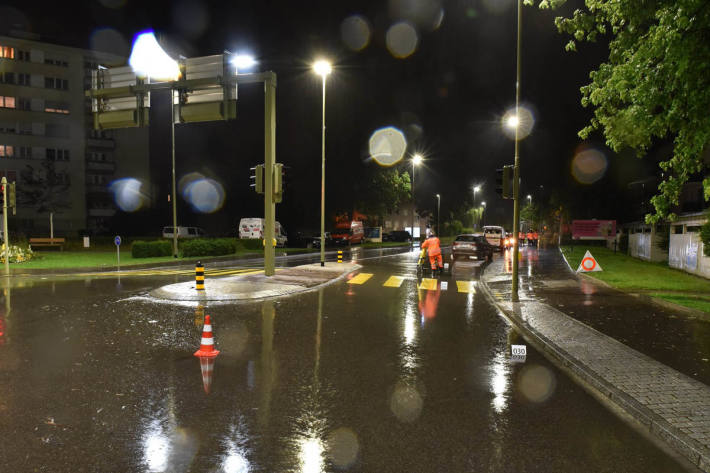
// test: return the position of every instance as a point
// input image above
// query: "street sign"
(117, 240)
(588, 264)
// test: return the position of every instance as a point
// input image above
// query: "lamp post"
(475, 189)
(516, 168)
(529, 199)
(416, 160)
(322, 68)
(149, 59)
(438, 212)
(483, 214)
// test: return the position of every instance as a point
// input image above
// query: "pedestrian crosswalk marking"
(466, 286)
(394, 281)
(428, 284)
(360, 278)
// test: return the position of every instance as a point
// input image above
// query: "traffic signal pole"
(4, 226)
(516, 170)
(269, 160)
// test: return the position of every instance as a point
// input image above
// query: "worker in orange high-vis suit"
(433, 245)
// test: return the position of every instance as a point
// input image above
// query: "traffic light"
(258, 178)
(12, 198)
(504, 182)
(278, 182)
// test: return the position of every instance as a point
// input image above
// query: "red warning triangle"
(588, 264)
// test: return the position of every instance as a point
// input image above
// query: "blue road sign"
(117, 240)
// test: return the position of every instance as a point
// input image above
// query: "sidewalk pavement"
(250, 287)
(617, 346)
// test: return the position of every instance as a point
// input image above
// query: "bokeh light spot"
(343, 447)
(406, 403)
(355, 32)
(524, 120)
(588, 165)
(109, 40)
(203, 194)
(425, 14)
(537, 383)
(127, 194)
(402, 40)
(387, 146)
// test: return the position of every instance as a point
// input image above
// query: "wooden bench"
(47, 242)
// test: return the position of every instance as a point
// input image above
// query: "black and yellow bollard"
(199, 277)
(340, 256)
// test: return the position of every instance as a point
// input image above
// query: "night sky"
(448, 97)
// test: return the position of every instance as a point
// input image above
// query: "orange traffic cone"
(207, 343)
(207, 368)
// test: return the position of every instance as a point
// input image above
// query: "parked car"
(184, 232)
(495, 236)
(472, 246)
(349, 234)
(329, 241)
(301, 239)
(399, 235)
(254, 228)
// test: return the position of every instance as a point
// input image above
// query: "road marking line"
(394, 281)
(466, 286)
(428, 284)
(360, 278)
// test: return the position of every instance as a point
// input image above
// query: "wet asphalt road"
(96, 377)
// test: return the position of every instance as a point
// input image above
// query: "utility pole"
(516, 169)
(4, 225)
(269, 159)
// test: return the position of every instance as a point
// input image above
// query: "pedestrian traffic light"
(257, 177)
(499, 182)
(504, 182)
(12, 198)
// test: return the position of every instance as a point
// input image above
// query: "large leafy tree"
(385, 191)
(43, 189)
(655, 84)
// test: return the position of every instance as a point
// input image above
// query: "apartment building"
(47, 144)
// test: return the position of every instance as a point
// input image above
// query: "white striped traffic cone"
(207, 343)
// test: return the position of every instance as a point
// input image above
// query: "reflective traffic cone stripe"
(207, 342)
(207, 368)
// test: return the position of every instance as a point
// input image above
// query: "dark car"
(301, 239)
(472, 246)
(329, 241)
(399, 235)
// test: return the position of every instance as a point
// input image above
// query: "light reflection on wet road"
(351, 377)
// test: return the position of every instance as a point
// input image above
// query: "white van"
(184, 232)
(495, 236)
(254, 228)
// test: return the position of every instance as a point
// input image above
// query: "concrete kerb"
(255, 287)
(676, 443)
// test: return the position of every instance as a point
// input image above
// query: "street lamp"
(516, 167)
(149, 59)
(438, 212)
(483, 213)
(529, 199)
(475, 189)
(322, 68)
(416, 161)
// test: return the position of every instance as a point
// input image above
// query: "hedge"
(251, 243)
(209, 247)
(147, 249)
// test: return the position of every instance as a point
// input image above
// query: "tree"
(655, 85)
(44, 189)
(386, 190)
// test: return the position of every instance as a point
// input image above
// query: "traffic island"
(256, 286)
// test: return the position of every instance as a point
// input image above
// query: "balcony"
(100, 166)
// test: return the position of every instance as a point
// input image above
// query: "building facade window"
(24, 103)
(23, 79)
(23, 55)
(56, 62)
(7, 77)
(56, 83)
(10, 175)
(55, 154)
(7, 52)
(52, 106)
(7, 102)
(7, 151)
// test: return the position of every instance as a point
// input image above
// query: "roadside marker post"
(199, 276)
(340, 256)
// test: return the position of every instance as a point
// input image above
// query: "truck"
(254, 228)
(347, 231)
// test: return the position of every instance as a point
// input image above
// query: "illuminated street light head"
(417, 159)
(243, 61)
(483, 203)
(438, 195)
(148, 59)
(529, 196)
(322, 68)
(512, 121)
(477, 189)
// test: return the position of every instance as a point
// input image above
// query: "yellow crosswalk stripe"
(466, 286)
(428, 284)
(394, 281)
(360, 278)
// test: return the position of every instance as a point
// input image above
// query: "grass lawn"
(655, 279)
(384, 244)
(106, 259)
